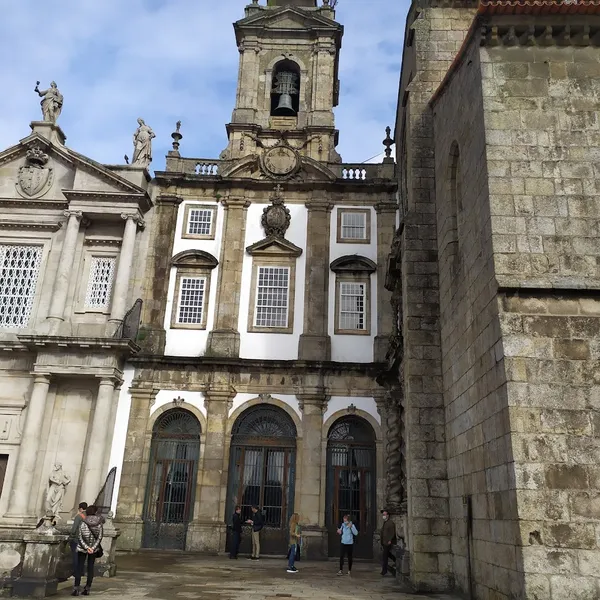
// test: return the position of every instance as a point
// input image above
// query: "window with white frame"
(19, 271)
(352, 303)
(199, 222)
(192, 292)
(272, 297)
(353, 226)
(100, 282)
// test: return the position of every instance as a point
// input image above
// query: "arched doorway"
(351, 483)
(262, 471)
(172, 475)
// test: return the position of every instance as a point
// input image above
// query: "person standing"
(347, 531)
(258, 522)
(74, 534)
(295, 533)
(388, 539)
(88, 546)
(236, 532)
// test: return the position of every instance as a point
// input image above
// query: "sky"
(169, 60)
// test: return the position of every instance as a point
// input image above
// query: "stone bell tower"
(288, 79)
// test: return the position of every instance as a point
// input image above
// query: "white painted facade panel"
(273, 345)
(241, 399)
(341, 403)
(164, 397)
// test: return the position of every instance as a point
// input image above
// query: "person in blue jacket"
(347, 531)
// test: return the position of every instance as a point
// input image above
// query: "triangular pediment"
(274, 246)
(288, 17)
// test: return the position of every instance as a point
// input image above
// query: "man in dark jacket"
(74, 534)
(236, 532)
(388, 539)
(258, 522)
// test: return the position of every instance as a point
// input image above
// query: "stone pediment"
(194, 258)
(287, 17)
(274, 246)
(353, 263)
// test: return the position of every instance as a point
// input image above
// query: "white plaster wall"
(341, 403)
(117, 451)
(195, 399)
(352, 348)
(290, 400)
(273, 345)
(192, 342)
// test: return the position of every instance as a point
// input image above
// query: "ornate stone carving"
(178, 401)
(52, 102)
(142, 145)
(396, 479)
(276, 217)
(34, 178)
(280, 162)
(59, 481)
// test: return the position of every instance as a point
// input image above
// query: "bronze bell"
(285, 107)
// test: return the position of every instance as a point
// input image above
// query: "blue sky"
(164, 60)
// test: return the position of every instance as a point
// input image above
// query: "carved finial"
(126, 159)
(388, 142)
(178, 401)
(277, 195)
(176, 136)
(351, 409)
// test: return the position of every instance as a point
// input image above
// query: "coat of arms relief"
(35, 178)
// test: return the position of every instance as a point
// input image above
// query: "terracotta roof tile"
(539, 7)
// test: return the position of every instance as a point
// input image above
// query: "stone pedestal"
(52, 132)
(38, 572)
(131, 530)
(314, 347)
(315, 543)
(224, 342)
(206, 536)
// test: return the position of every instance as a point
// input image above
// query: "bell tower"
(288, 78)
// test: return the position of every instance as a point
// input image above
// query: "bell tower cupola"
(288, 78)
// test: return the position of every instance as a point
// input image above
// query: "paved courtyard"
(175, 576)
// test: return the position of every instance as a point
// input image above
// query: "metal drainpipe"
(468, 502)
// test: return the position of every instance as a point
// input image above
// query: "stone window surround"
(31, 237)
(343, 240)
(192, 263)
(186, 217)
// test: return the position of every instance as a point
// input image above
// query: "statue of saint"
(59, 481)
(142, 145)
(52, 101)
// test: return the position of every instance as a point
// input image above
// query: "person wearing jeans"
(74, 534)
(347, 531)
(257, 521)
(295, 533)
(88, 545)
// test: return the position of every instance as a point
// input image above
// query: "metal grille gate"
(172, 477)
(351, 483)
(262, 472)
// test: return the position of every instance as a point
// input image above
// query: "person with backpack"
(294, 547)
(88, 548)
(258, 522)
(236, 532)
(347, 531)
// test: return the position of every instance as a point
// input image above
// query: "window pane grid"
(191, 300)
(354, 225)
(19, 270)
(102, 271)
(200, 221)
(272, 297)
(352, 306)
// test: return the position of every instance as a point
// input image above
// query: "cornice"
(35, 225)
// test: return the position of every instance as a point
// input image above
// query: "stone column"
(134, 472)
(310, 486)
(315, 343)
(23, 500)
(122, 280)
(93, 473)
(386, 228)
(65, 268)
(207, 532)
(224, 340)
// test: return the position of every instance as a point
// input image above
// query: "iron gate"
(262, 473)
(174, 456)
(351, 483)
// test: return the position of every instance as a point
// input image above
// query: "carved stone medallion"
(280, 161)
(276, 217)
(34, 178)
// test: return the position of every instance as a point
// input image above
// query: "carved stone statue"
(142, 145)
(52, 102)
(59, 481)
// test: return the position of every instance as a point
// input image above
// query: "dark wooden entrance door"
(171, 480)
(262, 473)
(351, 483)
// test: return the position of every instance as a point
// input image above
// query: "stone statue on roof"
(52, 102)
(142, 145)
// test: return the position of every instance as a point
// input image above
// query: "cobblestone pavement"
(155, 576)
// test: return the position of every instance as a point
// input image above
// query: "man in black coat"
(236, 532)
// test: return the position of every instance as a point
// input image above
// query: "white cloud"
(166, 60)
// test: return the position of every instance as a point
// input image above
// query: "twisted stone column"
(395, 459)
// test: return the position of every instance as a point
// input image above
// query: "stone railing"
(364, 172)
(203, 167)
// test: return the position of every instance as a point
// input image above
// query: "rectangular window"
(199, 222)
(272, 297)
(192, 291)
(100, 282)
(352, 306)
(19, 270)
(354, 225)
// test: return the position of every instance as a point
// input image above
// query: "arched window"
(174, 456)
(285, 91)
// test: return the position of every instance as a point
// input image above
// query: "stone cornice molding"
(544, 31)
(386, 207)
(319, 206)
(169, 199)
(30, 225)
(242, 203)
